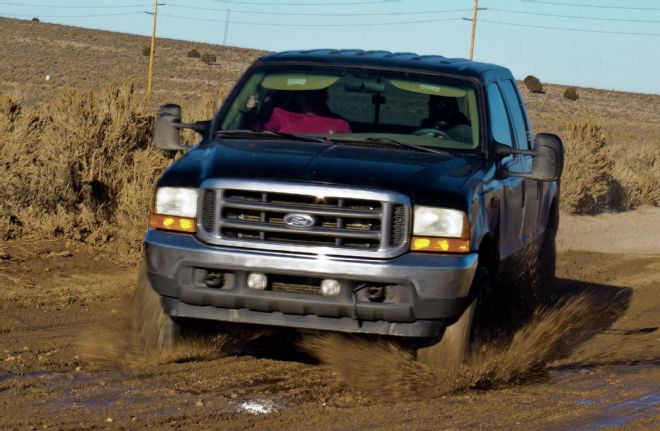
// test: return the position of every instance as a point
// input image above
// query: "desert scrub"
(571, 93)
(193, 53)
(533, 84)
(638, 172)
(587, 182)
(78, 167)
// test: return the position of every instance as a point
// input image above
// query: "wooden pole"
(152, 52)
(474, 27)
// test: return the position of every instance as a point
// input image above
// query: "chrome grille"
(346, 221)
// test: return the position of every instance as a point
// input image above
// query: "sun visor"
(298, 82)
(427, 88)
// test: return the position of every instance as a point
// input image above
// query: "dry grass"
(75, 154)
(79, 166)
(587, 177)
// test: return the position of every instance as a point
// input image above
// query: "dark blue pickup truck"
(353, 191)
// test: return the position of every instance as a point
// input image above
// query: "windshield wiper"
(268, 134)
(388, 141)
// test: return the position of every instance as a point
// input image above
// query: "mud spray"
(387, 370)
(384, 368)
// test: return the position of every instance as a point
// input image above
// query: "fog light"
(330, 287)
(257, 280)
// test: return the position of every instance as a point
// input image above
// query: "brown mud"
(588, 361)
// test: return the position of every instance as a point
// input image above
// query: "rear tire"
(152, 330)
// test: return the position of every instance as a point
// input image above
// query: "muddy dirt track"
(589, 362)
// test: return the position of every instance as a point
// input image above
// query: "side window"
(499, 117)
(517, 115)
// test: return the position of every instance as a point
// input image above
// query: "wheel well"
(488, 256)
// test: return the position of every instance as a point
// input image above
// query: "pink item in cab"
(292, 122)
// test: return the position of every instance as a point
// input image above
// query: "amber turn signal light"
(174, 223)
(442, 245)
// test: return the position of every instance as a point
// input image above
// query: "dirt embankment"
(589, 362)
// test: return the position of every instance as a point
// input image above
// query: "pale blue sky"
(617, 47)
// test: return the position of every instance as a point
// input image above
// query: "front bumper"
(423, 290)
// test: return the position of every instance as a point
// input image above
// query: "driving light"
(256, 280)
(330, 287)
(176, 201)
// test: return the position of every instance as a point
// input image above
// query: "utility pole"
(152, 52)
(474, 27)
(224, 39)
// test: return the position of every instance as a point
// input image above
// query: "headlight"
(440, 230)
(175, 210)
(442, 222)
(176, 201)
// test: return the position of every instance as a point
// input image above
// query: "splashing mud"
(388, 370)
(109, 344)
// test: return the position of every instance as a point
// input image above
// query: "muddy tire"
(455, 345)
(152, 331)
(545, 266)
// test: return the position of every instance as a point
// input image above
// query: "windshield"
(344, 104)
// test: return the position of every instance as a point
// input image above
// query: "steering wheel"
(432, 133)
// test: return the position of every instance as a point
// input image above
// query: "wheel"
(152, 331)
(462, 337)
(546, 261)
(432, 133)
(454, 346)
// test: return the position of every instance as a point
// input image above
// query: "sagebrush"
(82, 166)
(79, 167)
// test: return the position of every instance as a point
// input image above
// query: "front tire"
(152, 331)
(455, 345)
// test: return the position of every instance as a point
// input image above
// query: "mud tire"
(451, 351)
(545, 269)
(152, 331)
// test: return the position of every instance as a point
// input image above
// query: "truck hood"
(390, 168)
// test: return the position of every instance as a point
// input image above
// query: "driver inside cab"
(446, 118)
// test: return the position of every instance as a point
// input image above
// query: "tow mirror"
(168, 125)
(548, 158)
(548, 163)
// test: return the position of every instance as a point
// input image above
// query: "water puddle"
(259, 407)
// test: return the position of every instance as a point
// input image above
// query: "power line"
(573, 16)
(590, 5)
(319, 13)
(363, 24)
(73, 7)
(567, 29)
(339, 3)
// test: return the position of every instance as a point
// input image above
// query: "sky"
(609, 44)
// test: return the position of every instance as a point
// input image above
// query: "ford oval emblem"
(299, 221)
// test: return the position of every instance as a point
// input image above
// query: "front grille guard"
(394, 218)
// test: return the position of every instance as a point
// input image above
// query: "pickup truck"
(362, 192)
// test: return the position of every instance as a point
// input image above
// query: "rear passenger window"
(517, 115)
(499, 118)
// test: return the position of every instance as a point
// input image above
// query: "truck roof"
(404, 60)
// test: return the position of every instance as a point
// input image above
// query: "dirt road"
(590, 362)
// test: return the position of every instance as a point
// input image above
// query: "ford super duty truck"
(350, 191)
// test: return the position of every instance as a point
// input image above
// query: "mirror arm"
(201, 127)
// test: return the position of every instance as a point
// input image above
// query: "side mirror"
(548, 163)
(548, 158)
(166, 132)
(168, 125)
